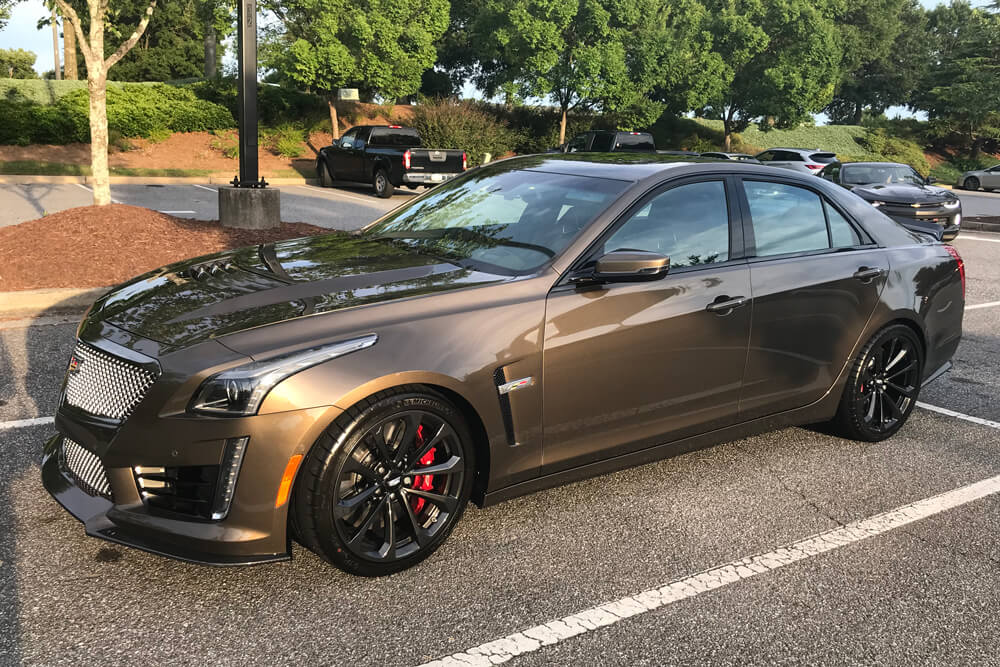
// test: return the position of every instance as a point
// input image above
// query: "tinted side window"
(785, 218)
(637, 140)
(832, 173)
(766, 156)
(579, 143)
(689, 224)
(789, 156)
(603, 142)
(842, 235)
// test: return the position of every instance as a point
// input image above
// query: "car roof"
(630, 166)
(873, 164)
(804, 150)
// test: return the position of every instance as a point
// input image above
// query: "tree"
(92, 46)
(781, 60)
(5, 6)
(17, 64)
(381, 47)
(961, 93)
(886, 52)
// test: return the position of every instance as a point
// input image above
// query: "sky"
(22, 33)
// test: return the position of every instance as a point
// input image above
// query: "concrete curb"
(977, 226)
(148, 180)
(34, 302)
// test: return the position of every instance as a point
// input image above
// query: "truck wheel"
(323, 172)
(383, 186)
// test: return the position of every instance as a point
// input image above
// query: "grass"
(32, 168)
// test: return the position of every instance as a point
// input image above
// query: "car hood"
(904, 194)
(189, 302)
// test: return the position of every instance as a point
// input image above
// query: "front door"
(631, 365)
(803, 335)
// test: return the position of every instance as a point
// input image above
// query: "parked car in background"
(738, 157)
(608, 141)
(679, 153)
(987, 179)
(537, 321)
(387, 156)
(901, 193)
(805, 160)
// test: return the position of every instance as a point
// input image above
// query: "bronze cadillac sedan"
(532, 322)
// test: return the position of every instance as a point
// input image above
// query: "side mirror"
(631, 265)
(931, 180)
(336, 142)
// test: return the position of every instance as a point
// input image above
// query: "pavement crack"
(951, 548)
(795, 491)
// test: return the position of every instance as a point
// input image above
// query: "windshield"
(887, 174)
(501, 218)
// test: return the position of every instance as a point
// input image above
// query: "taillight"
(814, 166)
(465, 161)
(961, 265)
(406, 159)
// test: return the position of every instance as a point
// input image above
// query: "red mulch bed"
(94, 246)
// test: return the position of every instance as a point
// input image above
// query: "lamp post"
(249, 203)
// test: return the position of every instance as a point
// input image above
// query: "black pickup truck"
(387, 156)
(608, 141)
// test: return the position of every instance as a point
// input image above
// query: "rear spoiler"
(931, 229)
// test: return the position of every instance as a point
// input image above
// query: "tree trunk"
(727, 135)
(858, 113)
(210, 57)
(55, 44)
(69, 53)
(97, 84)
(562, 127)
(334, 122)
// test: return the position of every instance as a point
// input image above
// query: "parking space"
(899, 593)
(335, 208)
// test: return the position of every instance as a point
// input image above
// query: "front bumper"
(255, 529)
(426, 179)
(949, 219)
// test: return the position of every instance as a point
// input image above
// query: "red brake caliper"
(423, 482)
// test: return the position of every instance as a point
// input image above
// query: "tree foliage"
(17, 64)
(381, 47)
(782, 60)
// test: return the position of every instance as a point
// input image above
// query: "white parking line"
(81, 185)
(588, 620)
(21, 423)
(988, 304)
(204, 187)
(959, 415)
(977, 238)
(337, 193)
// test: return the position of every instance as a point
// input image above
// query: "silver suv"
(806, 160)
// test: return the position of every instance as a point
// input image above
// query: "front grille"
(85, 468)
(104, 385)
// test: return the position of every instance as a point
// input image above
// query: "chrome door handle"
(724, 304)
(866, 275)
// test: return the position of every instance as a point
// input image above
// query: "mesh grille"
(103, 385)
(86, 469)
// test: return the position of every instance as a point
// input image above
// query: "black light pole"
(247, 94)
(249, 203)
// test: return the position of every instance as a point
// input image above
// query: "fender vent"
(499, 378)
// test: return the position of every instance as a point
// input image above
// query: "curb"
(976, 226)
(34, 302)
(147, 180)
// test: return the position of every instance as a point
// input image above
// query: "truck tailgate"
(436, 161)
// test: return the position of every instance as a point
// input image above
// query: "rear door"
(815, 279)
(991, 177)
(631, 365)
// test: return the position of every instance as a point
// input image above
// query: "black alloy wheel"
(380, 181)
(389, 488)
(883, 386)
(971, 183)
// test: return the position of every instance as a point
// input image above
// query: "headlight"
(876, 204)
(952, 204)
(239, 391)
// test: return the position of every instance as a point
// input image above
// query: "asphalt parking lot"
(336, 208)
(917, 585)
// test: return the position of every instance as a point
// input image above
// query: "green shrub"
(285, 140)
(445, 124)
(159, 135)
(226, 142)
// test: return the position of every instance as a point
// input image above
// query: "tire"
(883, 386)
(971, 183)
(323, 172)
(356, 482)
(383, 186)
